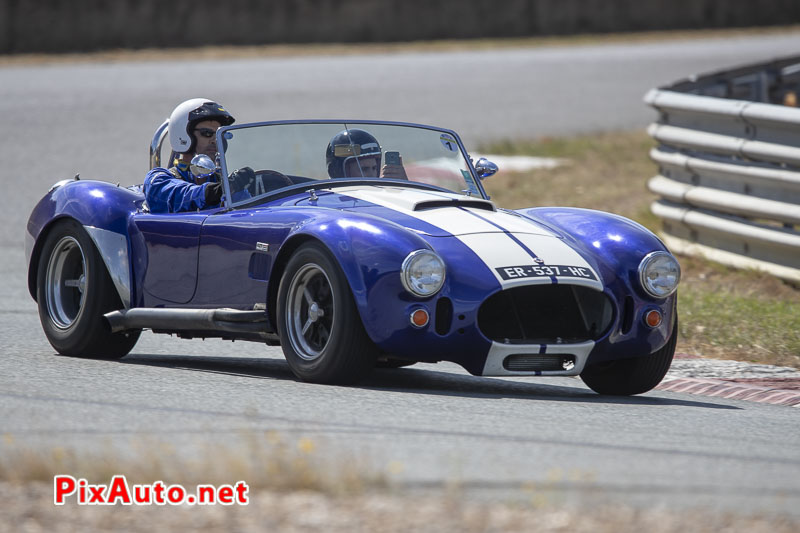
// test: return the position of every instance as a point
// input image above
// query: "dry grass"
(726, 313)
(338, 49)
(293, 489)
(743, 315)
(605, 171)
(30, 508)
(267, 461)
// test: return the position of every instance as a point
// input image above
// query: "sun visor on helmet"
(350, 150)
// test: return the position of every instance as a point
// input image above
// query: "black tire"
(321, 332)
(625, 377)
(74, 291)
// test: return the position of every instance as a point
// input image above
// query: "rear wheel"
(74, 291)
(321, 332)
(625, 377)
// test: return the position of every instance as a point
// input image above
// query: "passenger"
(192, 130)
(355, 153)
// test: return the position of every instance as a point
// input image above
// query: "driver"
(192, 130)
(355, 153)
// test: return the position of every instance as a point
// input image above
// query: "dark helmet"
(348, 144)
(184, 118)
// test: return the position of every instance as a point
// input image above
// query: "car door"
(236, 253)
(167, 267)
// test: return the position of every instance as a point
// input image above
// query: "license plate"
(536, 271)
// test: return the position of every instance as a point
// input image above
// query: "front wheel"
(74, 291)
(636, 375)
(321, 332)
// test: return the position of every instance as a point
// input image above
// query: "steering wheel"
(271, 180)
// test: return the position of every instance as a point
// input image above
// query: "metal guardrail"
(729, 166)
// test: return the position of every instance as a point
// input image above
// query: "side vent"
(259, 266)
(444, 316)
(627, 316)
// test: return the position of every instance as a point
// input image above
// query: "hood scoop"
(455, 202)
(413, 200)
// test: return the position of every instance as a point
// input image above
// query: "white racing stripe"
(497, 250)
(501, 251)
(502, 240)
(510, 222)
(479, 221)
(406, 200)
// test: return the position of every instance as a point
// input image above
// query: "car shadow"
(407, 380)
(417, 380)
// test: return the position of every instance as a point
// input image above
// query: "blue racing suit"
(174, 190)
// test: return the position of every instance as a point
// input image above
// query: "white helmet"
(184, 118)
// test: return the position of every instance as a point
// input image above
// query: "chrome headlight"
(659, 274)
(422, 273)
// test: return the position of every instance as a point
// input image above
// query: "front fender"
(369, 250)
(617, 246)
(615, 243)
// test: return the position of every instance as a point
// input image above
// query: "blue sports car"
(356, 244)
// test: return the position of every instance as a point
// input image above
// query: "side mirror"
(202, 167)
(485, 168)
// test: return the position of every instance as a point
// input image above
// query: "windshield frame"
(325, 184)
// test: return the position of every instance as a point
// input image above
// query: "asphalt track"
(435, 424)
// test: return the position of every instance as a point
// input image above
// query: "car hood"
(433, 213)
(516, 249)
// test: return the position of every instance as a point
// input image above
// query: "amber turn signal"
(419, 318)
(653, 318)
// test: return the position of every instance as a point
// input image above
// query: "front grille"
(539, 362)
(545, 314)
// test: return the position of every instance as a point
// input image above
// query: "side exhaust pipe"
(191, 320)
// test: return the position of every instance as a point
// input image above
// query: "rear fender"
(103, 210)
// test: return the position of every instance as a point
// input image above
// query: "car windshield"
(287, 154)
